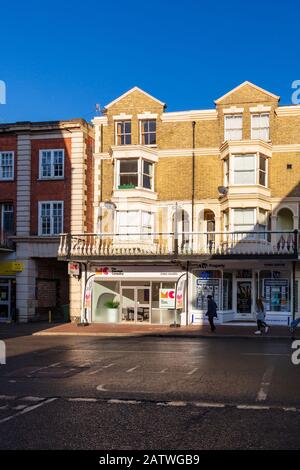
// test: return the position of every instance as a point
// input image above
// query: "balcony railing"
(163, 244)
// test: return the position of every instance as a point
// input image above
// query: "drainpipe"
(187, 294)
(294, 290)
(193, 182)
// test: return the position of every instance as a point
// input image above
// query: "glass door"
(143, 304)
(135, 302)
(5, 300)
(244, 293)
(128, 304)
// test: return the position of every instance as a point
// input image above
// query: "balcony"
(182, 246)
(6, 243)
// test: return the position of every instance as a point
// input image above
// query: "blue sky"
(60, 58)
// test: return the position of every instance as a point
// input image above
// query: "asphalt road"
(149, 393)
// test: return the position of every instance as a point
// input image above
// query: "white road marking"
(90, 400)
(204, 404)
(45, 367)
(28, 409)
(172, 403)
(109, 365)
(7, 397)
(95, 371)
(163, 370)
(126, 402)
(252, 407)
(265, 384)
(291, 408)
(19, 407)
(192, 371)
(101, 388)
(132, 369)
(5, 407)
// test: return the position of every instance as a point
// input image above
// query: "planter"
(112, 315)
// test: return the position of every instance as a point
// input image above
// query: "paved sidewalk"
(115, 330)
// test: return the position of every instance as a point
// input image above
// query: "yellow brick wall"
(283, 182)
(173, 175)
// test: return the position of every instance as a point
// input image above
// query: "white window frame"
(116, 131)
(231, 173)
(12, 155)
(52, 176)
(140, 226)
(140, 174)
(141, 133)
(227, 117)
(259, 128)
(254, 171)
(51, 234)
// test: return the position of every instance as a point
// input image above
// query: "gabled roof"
(135, 88)
(246, 83)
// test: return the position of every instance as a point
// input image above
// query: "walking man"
(211, 312)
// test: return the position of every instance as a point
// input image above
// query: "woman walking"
(260, 317)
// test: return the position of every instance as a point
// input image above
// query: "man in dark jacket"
(211, 312)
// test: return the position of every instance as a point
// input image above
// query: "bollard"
(49, 317)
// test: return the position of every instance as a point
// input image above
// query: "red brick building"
(45, 190)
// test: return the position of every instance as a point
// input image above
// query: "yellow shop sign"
(11, 268)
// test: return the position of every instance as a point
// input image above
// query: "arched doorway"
(285, 225)
(209, 228)
(183, 227)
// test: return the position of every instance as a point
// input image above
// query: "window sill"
(58, 178)
(6, 180)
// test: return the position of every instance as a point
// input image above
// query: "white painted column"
(78, 204)
(25, 280)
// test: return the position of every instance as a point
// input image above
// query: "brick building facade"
(212, 195)
(43, 188)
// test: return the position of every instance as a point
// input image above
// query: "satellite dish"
(222, 190)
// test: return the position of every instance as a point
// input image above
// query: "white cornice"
(292, 110)
(134, 151)
(188, 152)
(196, 115)
(286, 148)
(100, 120)
(245, 146)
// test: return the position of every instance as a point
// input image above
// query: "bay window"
(134, 173)
(260, 126)
(244, 169)
(233, 127)
(243, 220)
(134, 225)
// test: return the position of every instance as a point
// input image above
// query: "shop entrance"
(135, 304)
(5, 297)
(244, 294)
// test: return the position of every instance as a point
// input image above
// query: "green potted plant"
(112, 311)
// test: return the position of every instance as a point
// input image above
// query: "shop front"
(236, 286)
(139, 294)
(8, 270)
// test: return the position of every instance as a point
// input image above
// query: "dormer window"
(148, 131)
(260, 126)
(134, 173)
(233, 127)
(123, 132)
